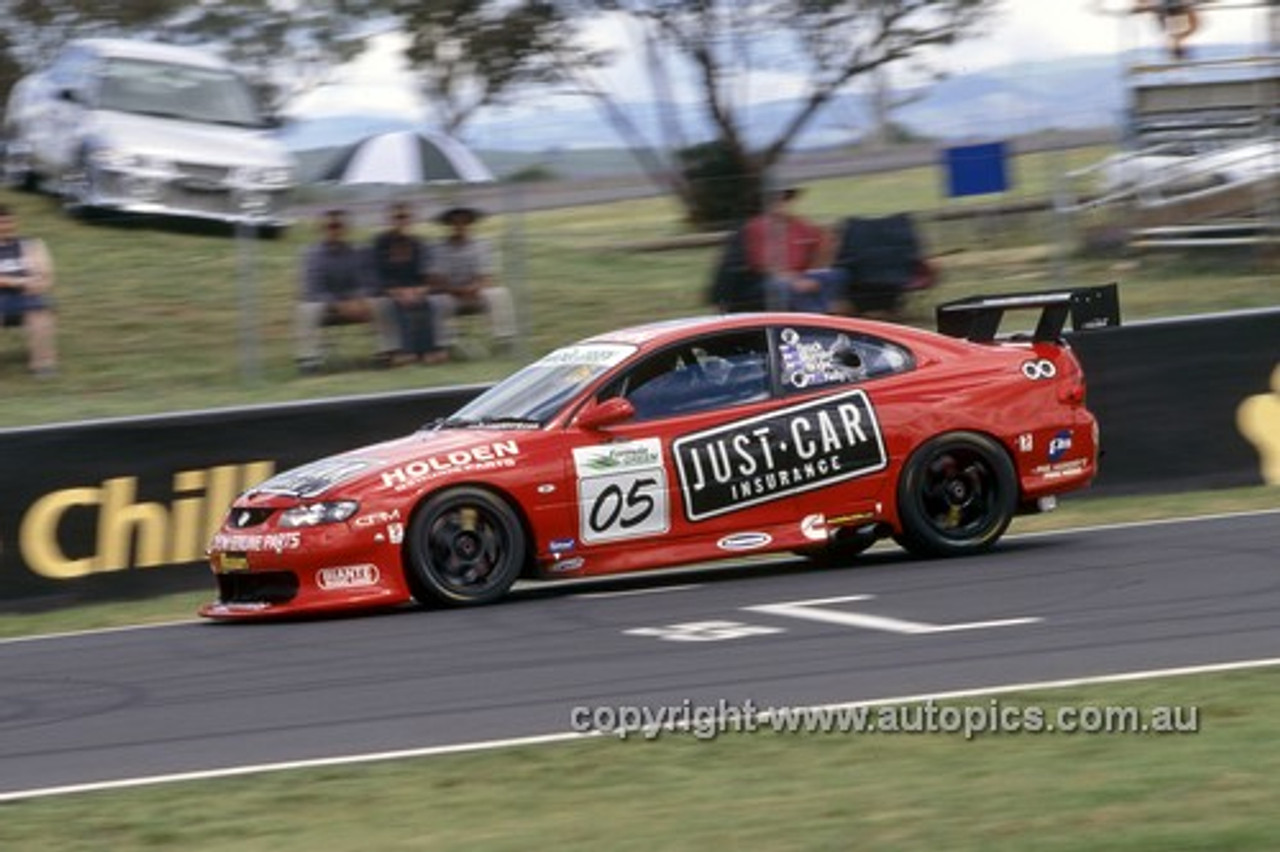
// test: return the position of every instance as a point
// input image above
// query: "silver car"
(146, 128)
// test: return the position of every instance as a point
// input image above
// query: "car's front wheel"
(466, 546)
(957, 494)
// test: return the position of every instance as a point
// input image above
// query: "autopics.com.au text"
(993, 717)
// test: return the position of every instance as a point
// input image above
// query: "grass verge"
(1213, 789)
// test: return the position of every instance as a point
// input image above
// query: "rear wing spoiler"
(977, 318)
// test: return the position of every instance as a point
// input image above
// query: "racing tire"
(466, 547)
(956, 495)
(13, 176)
(76, 189)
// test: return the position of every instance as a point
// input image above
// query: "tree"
(283, 48)
(717, 46)
(472, 54)
(31, 31)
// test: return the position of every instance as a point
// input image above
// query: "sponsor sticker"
(589, 355)
(561, 545)
(395, 533)
(257, 542)
(494, 456)
(1039, 370)
(814, 527)
(375, 518)
(796, 449)
(1026, 442)
(560, 566)
(745, 541)
(622, 491)
(1059, 445)
(347, 577)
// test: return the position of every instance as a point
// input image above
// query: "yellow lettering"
(38, 535)
(133, 534)
(121, 518)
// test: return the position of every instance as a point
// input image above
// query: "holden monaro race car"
(686, 441)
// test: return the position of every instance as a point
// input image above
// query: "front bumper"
(326, 569)
(163, 194)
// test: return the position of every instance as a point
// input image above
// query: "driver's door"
(632, 484)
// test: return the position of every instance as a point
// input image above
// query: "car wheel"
(956, 495)
(465, 546)
(15, 172)
(77, 188)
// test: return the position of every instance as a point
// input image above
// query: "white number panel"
(622, 491)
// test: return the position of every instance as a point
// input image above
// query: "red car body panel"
(777, 474)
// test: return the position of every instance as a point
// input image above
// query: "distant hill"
(1067, 94)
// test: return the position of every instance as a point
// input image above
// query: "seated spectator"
(335, 290)
(735, 286)
(462, 281)
(791, 254)
(401, 263)
(883, 260)
(26, 278)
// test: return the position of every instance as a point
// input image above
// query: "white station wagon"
(145, 128)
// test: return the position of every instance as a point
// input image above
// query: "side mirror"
(607, 413)
(68, 95)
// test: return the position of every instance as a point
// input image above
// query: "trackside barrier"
(1172, 396)
(125, 507)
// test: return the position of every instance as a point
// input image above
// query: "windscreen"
(537, 393)
(185, 92)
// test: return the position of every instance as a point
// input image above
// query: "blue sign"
(976, 169)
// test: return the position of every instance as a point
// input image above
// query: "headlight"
(314, 514)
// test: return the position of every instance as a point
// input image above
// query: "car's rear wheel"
(466, 546)
(957, 494)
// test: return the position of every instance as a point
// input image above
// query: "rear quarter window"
(810, 358)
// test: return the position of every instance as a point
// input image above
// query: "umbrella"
(408, 157)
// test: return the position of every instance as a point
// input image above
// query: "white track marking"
(97, 631)
(573, 736)
(815, 610)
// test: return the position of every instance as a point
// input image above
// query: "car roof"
(657, 334)
(123, 48)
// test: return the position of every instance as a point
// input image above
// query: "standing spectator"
(462, 280)
(791, 254)
(335, 290)
(401, 264)
(26, 279)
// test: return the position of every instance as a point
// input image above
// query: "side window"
(717, 371)
(821, 357)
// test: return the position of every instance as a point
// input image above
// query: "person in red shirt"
(792, 256)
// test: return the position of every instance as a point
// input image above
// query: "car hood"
(190, 141)
(403, 464)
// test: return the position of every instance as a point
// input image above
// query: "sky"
(1022, 31)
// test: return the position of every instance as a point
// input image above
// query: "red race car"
(681, 442)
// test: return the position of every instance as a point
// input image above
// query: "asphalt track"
(106, 706)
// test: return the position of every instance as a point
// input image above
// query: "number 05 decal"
(622, 491)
